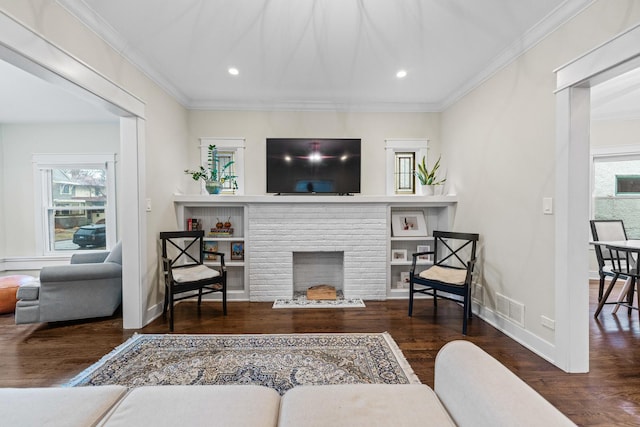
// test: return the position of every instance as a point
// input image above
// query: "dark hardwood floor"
(51, 354)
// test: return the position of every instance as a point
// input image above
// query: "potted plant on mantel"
(428, 178)
(213, 177)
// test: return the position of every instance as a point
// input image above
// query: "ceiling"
(310, 54)
(321, 54)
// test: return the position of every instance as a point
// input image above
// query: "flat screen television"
(313, 165)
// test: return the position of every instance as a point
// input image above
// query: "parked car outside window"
(90, 235)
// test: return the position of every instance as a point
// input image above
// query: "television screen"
(304, 165)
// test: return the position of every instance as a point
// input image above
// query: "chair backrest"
(183, 248)
(606, 230)
(454, 249)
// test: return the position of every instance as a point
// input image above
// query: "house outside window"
(616, 188)
(75, 202)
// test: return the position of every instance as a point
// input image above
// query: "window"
(76, 198)
(404, 177)
(616, 187)
(229, 149)
(401, 161)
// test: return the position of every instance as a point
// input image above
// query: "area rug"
(303, 302)
(277, 361)
(300, 300)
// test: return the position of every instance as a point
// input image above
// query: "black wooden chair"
(454, 256)
(606, 230)
(185, 272)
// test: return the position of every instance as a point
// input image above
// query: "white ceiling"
(310, 54)
(321, 54)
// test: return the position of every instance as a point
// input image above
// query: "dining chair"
(625, 264)
(185, 271)
(606, 230)
(454, 256)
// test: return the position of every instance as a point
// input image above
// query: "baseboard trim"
(32, 263)
(541, 347)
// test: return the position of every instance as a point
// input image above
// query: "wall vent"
(512, 310)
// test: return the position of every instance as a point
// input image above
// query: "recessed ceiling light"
(401, 74)
(234, 71)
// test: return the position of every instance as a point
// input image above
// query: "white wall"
(20, 142)
(605, 133)
(165, 129)
(372, 128)
(502, 137)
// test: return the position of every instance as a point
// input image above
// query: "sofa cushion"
(116, 254)
(68, 407)
(478, 391)
(356, 405)
(193, 274)
(29, 291)
(207, 405)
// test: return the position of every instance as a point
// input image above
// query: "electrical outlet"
(548, 323)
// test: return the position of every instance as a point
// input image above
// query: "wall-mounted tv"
(313, 165)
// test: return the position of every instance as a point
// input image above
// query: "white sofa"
(471, 389)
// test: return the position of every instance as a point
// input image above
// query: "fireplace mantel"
(273, 228)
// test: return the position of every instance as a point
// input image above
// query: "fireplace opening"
(314, 269)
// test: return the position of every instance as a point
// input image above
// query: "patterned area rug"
(300, 300)
(277, 361)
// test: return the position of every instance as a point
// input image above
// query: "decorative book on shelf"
(220, 232)
(194, 224)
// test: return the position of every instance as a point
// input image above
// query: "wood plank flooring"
(51, 354)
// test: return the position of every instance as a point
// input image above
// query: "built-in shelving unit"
(437, 212)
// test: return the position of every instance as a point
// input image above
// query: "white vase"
(428, 190)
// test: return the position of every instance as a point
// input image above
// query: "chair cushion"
(452, 276)
(193, 274)
(116, 254)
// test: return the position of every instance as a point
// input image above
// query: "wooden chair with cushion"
(454, 256)
(185, 272)
(606, 230)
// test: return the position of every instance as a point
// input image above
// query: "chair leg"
(606, 296)
(199, 297)
(465, 316)
(410, 299)
(601, 288)
(638, 296)
(171, 313)
(632, 289)
(224, 297)
(166, 302)
(435, 298)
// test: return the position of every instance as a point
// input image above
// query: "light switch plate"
(547, 205)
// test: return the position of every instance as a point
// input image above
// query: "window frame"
(393, 146)
(43, 164)
(233, 145)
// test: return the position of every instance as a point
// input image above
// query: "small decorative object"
(214, 176)
(428, 178)
(424, 248)
(219, 224)
(403, 283)
(398, 255)
(210, 246)
(237, 251)
(227, 223)
(221, 232)
(410, 224)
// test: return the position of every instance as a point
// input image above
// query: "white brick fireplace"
(358, 232)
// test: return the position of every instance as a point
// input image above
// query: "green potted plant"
(428, 178)
(214, 176)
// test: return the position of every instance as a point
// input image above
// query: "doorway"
(33, 54)
(574, 82)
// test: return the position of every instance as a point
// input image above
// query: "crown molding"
(559, 16)
(563, 13)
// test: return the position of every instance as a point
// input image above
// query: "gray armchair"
(90, 286)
